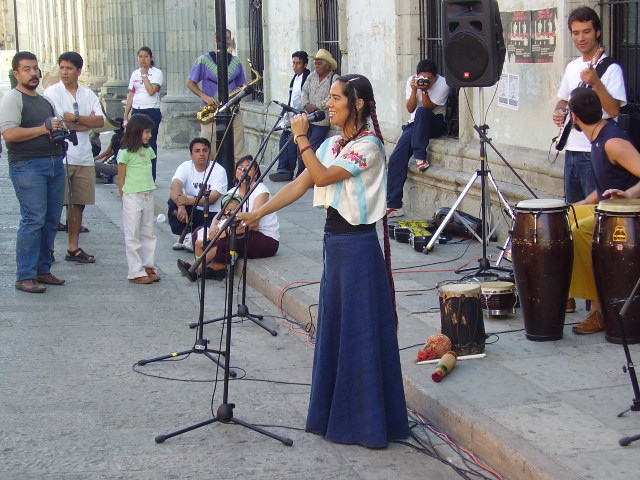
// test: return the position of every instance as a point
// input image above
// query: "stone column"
(120, 55)
(189, 34)
(96, 35)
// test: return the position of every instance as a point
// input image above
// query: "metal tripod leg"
(447, 218)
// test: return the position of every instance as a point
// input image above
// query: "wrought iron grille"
(328, 28)
(430, 12)
(256, 46)
(624, 39)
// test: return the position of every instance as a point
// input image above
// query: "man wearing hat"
(315, 95)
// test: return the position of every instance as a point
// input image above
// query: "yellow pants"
(583, 283)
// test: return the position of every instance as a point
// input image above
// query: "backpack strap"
(605, 63)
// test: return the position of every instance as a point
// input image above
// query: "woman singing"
(357, 396)
(144, 96)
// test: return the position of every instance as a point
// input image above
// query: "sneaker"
(395, 212)
(177, 246)
(571, 305)
(592, 324)
(188, 244)
(422, 165)
(151, 273)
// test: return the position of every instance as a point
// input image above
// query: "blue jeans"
(413, 141)
(288, 159)
(156, 116)
(578, 176)
(39, 186)
(317, 134)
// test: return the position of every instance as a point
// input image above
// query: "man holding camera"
(33, 140)
(427, 94)
(80, 109)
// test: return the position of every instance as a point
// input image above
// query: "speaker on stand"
(474, 54)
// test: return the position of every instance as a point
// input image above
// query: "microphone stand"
(201, 343)
(243, 309)
(224, 414)
(635, 405)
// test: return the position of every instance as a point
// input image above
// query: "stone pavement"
(73, 407)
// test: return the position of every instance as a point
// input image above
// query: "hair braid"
(387, 261)
(374, 119)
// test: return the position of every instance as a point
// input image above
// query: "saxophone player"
(203, 81)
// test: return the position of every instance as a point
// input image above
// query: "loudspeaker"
(474, 47)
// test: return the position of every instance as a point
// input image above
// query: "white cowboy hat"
(326, 55)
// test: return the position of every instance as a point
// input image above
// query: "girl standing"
(357, 396)
(144, 96)
(136, 187)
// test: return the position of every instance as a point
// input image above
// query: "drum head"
(619, 205)
(497, 287)
(541, 205)
(459, 290)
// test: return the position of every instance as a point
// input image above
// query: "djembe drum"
(616, 264)
(542, 255)
(461, 317)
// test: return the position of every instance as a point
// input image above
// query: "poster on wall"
(509, 91)
(543, 38)
(517, 36)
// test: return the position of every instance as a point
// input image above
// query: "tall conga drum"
(616, 264)
(461, 317)
(542, 255)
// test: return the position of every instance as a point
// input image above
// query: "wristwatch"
(144, 75)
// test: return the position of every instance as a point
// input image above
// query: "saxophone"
(208, 113)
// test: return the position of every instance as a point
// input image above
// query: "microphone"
(247, 90)
(287, 108)
(312, 117)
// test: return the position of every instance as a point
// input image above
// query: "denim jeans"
(156, 116)
(413, 141)
(39, 187)
(578, 176)
(288, 159)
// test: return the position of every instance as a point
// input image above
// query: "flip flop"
(80, 256)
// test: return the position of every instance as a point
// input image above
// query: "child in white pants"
(136, 186)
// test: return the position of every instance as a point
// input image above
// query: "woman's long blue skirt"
(357, 396)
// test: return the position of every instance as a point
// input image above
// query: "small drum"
(616, 264)
(461, 317)
(542, 256)
(498, 298)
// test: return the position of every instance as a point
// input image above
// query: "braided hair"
(359, 87)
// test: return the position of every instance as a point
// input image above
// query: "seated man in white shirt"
(185, 186)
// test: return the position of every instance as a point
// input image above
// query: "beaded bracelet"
(305, 149)
(295, 139)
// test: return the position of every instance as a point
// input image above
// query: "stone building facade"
(377, 38)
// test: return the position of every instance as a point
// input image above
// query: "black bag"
(455, 227)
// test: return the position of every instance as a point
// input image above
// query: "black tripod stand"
(243, 309)
(635, 405)
(224, 414)
(483, 173)
(201, 344)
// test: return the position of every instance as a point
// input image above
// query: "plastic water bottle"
(160, 218)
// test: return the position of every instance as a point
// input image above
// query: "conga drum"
(461, 317)
(542, 255)
(498, 298)
(616, 264)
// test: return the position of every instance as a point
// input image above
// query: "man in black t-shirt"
(33, 138)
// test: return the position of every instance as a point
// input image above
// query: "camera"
(423, 81)
(59, 136)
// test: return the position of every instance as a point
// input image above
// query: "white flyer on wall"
(509, 91)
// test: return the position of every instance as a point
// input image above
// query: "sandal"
(80, 256)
